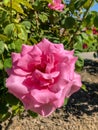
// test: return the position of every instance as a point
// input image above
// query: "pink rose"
(42, 76)
(56, 5)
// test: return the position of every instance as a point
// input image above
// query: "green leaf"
(27, 24)
(3, 108)
(79, 39)
(66, 101)
(10, 99)
(3, 37)
(6, 2)
(79, 3)
(11, 46)
(15, 107)
(7, 63)
(3, 9)
(1, 65)
(49, 1)
(84, 36)
(25, 3)
(5, 116)
(96, 21)
(88, 20)
(33, 40)
(43, 17)
(80, 62)
(1, 47)
(17, 7)
(33, 114)
(78, 46)
(18, 45)
(87, 4)
(84, 88)
(22, 32)
(69, 22)
(9, 29)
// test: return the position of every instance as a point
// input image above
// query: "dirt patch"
(81, 112)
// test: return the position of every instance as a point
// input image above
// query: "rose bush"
(42, 76)
(56, 5)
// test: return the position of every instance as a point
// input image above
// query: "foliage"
(28, 21)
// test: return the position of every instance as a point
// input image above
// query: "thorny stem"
(11, 11)
(37, 23)
(78, 28)
(2, 58)
(3, 71)
(36, 15)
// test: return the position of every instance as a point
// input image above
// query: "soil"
(81, 112)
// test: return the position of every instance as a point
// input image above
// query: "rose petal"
(45, 110)
(46, 76)
(75, 85)
(15, 57)
(43, 96)
(20, 72)
(15, 85)
(26, 49)
(24, 62)
(56, 5)
(35, 51)
(44, 45)
(32, 104)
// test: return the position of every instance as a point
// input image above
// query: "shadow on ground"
(85, 101)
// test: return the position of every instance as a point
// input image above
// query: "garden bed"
(81, 112)
(40, 21)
